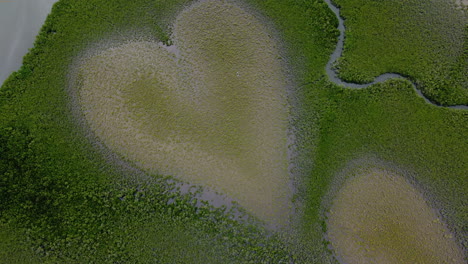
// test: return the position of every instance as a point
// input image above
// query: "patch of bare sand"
(463, 4)
(212, 109)
(378, 217)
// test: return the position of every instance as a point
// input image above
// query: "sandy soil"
(212, 109)
(378, 217)
(462, 3)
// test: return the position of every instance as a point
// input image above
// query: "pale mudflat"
(462, 3)
(212, 109)
(378, 217)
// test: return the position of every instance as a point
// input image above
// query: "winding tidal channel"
(333, 76)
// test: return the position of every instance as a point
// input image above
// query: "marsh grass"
(14, 246)
(94, 211)
(96, 203)
(380, 121)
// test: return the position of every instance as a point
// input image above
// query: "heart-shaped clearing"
(214, 112)
(378, 217)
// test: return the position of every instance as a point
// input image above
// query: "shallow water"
(20, 21)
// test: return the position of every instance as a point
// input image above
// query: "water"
(20, 21)
(379, 79)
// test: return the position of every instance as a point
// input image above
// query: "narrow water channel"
(20, 21)
(333, 76)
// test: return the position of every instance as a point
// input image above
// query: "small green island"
(238, 131)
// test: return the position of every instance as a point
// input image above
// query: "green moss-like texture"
(14, 248)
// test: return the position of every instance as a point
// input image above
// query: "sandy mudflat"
(462, 3)
(378, 217)
(212, 109)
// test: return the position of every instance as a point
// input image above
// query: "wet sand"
(378, 217)
(211, 109)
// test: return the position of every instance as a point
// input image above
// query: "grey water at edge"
(20, 22)
(333, 76)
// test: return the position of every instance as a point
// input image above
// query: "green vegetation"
(71, 204)
(14, 248)
(425, 40)
(69, 198)
(389, 122)
(78, 216)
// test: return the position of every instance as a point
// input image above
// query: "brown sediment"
(212, 109)
(378, 217)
